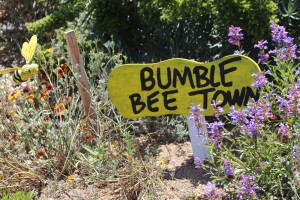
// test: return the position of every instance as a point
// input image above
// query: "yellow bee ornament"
(28, 70)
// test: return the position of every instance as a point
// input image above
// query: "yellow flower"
(69, 178)
(163, 162)
(13, 96)
(49, 50)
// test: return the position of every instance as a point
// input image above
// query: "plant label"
(170, 86)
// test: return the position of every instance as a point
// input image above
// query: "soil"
(183, 180)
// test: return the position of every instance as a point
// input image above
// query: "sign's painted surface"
(170, 86)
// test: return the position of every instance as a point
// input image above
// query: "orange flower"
(89, 137)
(60, 72)
(65, 68)
(65, 100)
(13, 96)
(11, 144)
(59, 109)
(83, 127)
(44, 94)
(31, 96)
(68, 99)
(1, 175)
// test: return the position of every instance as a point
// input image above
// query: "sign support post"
(198, 142)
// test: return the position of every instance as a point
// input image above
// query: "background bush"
(151, 31)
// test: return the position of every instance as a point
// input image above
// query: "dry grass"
(15, 176)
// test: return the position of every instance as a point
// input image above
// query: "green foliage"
(246, 14)
(18, 196)
(151, 31)
(115, 16)
(184, 9)
(290, 16)
(67, 12)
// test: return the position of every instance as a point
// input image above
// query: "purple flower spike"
(228, 168)
(262, 56)
(217, 109)
(239, 116)
(235, 35)
(216, 133)
(198, 163)
(197, 115)
(283, 130)
(260, 79)
(247, 188)
(211, 191)
(286, 50)
(295, 152)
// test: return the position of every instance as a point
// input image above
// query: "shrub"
(67, 12)
(255, 150)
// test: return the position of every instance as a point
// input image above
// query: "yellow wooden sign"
(170, 86)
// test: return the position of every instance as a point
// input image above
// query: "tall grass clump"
(255, 151)
(45, 136)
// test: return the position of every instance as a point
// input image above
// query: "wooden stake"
(82, 83)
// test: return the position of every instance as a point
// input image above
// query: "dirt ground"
(184, 181)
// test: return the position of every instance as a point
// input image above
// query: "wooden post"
(82, 83)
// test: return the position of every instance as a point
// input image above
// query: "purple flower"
(217, 109)
(228, 168)
(297, 71)
(264, 163)
(286, 50)
(239, 116)
(285, 106)
(247, 188)
(235, 35)
(252, 129)
(197, 115)
(197, 163)
(298, 82)
(278, 33)
(250, 120)
(216, 133)
(260, 79)
(211, 191)
(295, 152)
(259, 110)
(238, 52)
(262, 56)
(283, 130)
(290, 106)
(284, 53)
